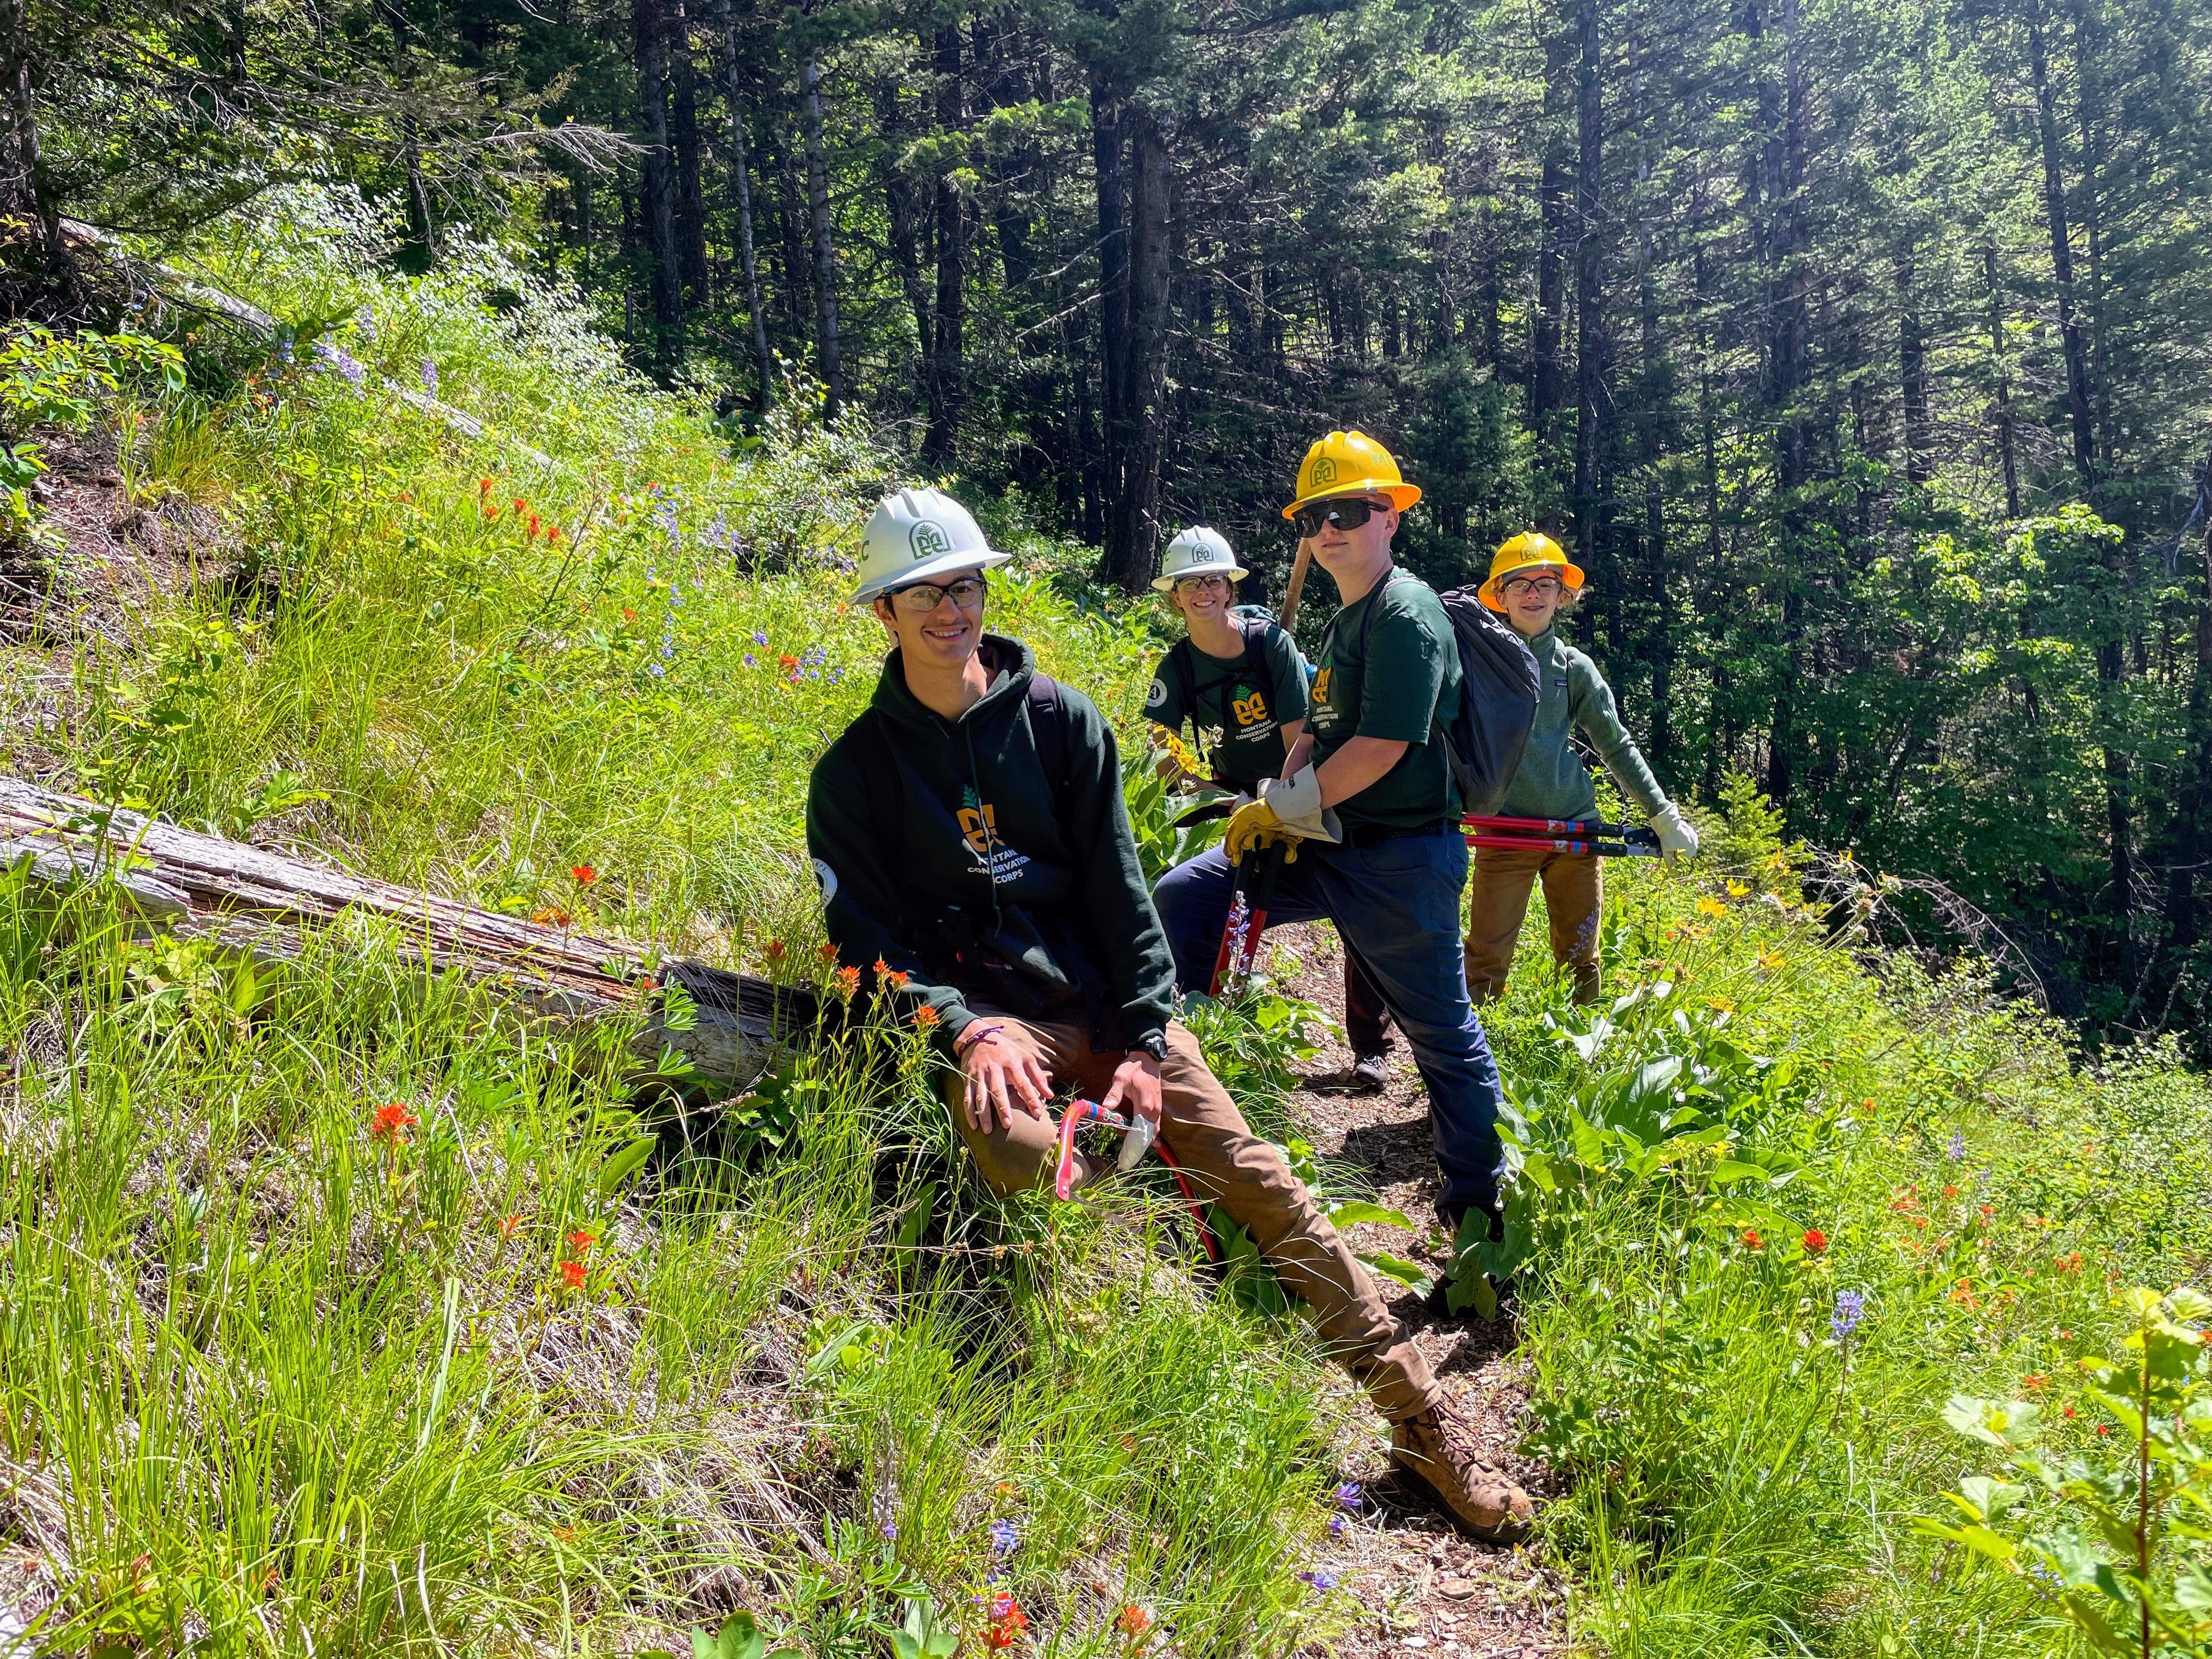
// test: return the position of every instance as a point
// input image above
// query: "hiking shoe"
(1371, 1073)
(1440, 1447)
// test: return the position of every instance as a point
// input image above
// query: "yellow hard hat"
(1351, 464)
(1531, 547)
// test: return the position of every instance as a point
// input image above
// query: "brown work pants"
(1227, 1165)
(1497, 898)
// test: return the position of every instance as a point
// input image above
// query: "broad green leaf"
(1990, 1497)
(620, 1166)
(1396, 1266)
(1730, 1169)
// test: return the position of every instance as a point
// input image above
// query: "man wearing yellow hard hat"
(1531, 582)
(1371, 805)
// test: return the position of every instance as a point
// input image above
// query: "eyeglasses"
(1347, 515)
(1543, 586)
(1200, 584)
(925, 597)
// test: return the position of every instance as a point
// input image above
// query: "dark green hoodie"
(946, 853)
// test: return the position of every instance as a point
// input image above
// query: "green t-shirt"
(1241, 723)
(1412, 641)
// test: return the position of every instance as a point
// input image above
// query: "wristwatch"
(1154, 1043)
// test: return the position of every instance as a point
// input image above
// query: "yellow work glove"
(1255, 826)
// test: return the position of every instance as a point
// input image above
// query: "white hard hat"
(1198, 551)
(917, 535)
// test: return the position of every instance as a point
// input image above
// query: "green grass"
(277, 1385)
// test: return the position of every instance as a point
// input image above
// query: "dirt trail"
(1423, 1589)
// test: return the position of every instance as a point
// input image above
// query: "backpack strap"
(1049, 726)
(1186, 683)
(1367, 617)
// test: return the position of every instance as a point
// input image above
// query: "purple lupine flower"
(1956, 1151)
(1319, 1578)
(749, 661)
(759, 638)
(1347, 1496)
(1003, 1537)
(656, 671)
(1851, 1308)
(429, 378)
(342, 361)
(1338, 1526)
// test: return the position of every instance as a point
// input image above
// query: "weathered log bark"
(251, 899)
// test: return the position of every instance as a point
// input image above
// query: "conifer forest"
(1859, 353)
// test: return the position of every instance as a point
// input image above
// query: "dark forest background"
(1859, 351)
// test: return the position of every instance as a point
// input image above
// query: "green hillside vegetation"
(336, 1320)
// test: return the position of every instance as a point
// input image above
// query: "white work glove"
(1286, 813)
(1297, 801)
(1676, 839)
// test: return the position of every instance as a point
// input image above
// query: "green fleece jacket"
(1552, 781)
(946, 853)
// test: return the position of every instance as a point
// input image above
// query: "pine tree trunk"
(1589, 298)
(948, 370)
(1133, 534)
(2006, 456)
(657, 182)
(26, 183)
(2100, 343)
(1913, 372)
(2190, 839)
(902, 224)
(741, 186)
(2062, 260)
(690, 199)
(826, 253)
(1112, 279)
(1547, 377)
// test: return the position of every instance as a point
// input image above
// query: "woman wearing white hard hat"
(1237, 680)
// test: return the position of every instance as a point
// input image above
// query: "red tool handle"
(1578, 828)
(1604, 849)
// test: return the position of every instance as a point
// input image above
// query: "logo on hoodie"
(979, 828)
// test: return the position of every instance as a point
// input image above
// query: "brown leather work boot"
(1440, 1447)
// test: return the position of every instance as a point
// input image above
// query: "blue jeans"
(1396, 904)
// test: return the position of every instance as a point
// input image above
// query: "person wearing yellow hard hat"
(1531, 582)
(1369, 805)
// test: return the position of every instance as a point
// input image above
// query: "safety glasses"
(923, 597)
(1347, 515)
(1545, 585)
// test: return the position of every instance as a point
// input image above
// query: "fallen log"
(248, 898)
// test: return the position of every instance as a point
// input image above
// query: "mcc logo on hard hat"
(1351, 464)
(1530, 550)
(918, 535)
(1198, 551)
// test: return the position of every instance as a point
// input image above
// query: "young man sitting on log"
(968, 832)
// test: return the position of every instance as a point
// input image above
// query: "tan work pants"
(1227, 1165)
(1497, 898)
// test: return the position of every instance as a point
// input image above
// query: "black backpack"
(1253, 621)
(1499, 684)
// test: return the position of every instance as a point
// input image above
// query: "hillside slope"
(338, 1320)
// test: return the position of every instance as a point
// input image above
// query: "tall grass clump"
(1776, 1203)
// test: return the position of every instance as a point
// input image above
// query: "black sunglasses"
(1347, 515)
